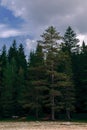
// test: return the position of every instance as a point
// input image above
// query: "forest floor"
(42, 126)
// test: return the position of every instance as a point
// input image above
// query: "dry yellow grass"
(42, 126)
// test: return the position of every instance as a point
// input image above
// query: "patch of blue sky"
(8, 42)
(7, 17)
(19, 39)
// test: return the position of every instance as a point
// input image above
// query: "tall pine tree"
(50, 45)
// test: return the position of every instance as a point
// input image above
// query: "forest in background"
(52, 82)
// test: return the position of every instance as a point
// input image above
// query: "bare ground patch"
(42, 126)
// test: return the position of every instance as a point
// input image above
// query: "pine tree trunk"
(37, 109)
(53, 110)
(68, 114)
(36, 113)
(53, 103)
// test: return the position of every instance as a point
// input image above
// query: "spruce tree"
(70, 40)
(12, 52)
(21, 91)
(67, 86)
(10, 89)
(80, 74)
(22, 58)
(35, 83)
(3, 62)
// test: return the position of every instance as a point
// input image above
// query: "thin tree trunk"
(37, 113)
(68, 114)
(53, 109)
(37, 109)
(53, 103)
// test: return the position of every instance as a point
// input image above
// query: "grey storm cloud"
(39, 14)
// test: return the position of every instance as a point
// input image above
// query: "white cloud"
(6, 31)
(30, 45)
(39, 14)
(82, 38)
(2, 26)
(18, 7)
(9, 33)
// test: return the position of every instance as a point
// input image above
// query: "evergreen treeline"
(53, 80)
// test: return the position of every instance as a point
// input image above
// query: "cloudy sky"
(27, 19)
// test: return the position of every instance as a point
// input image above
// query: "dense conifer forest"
(52, 82)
